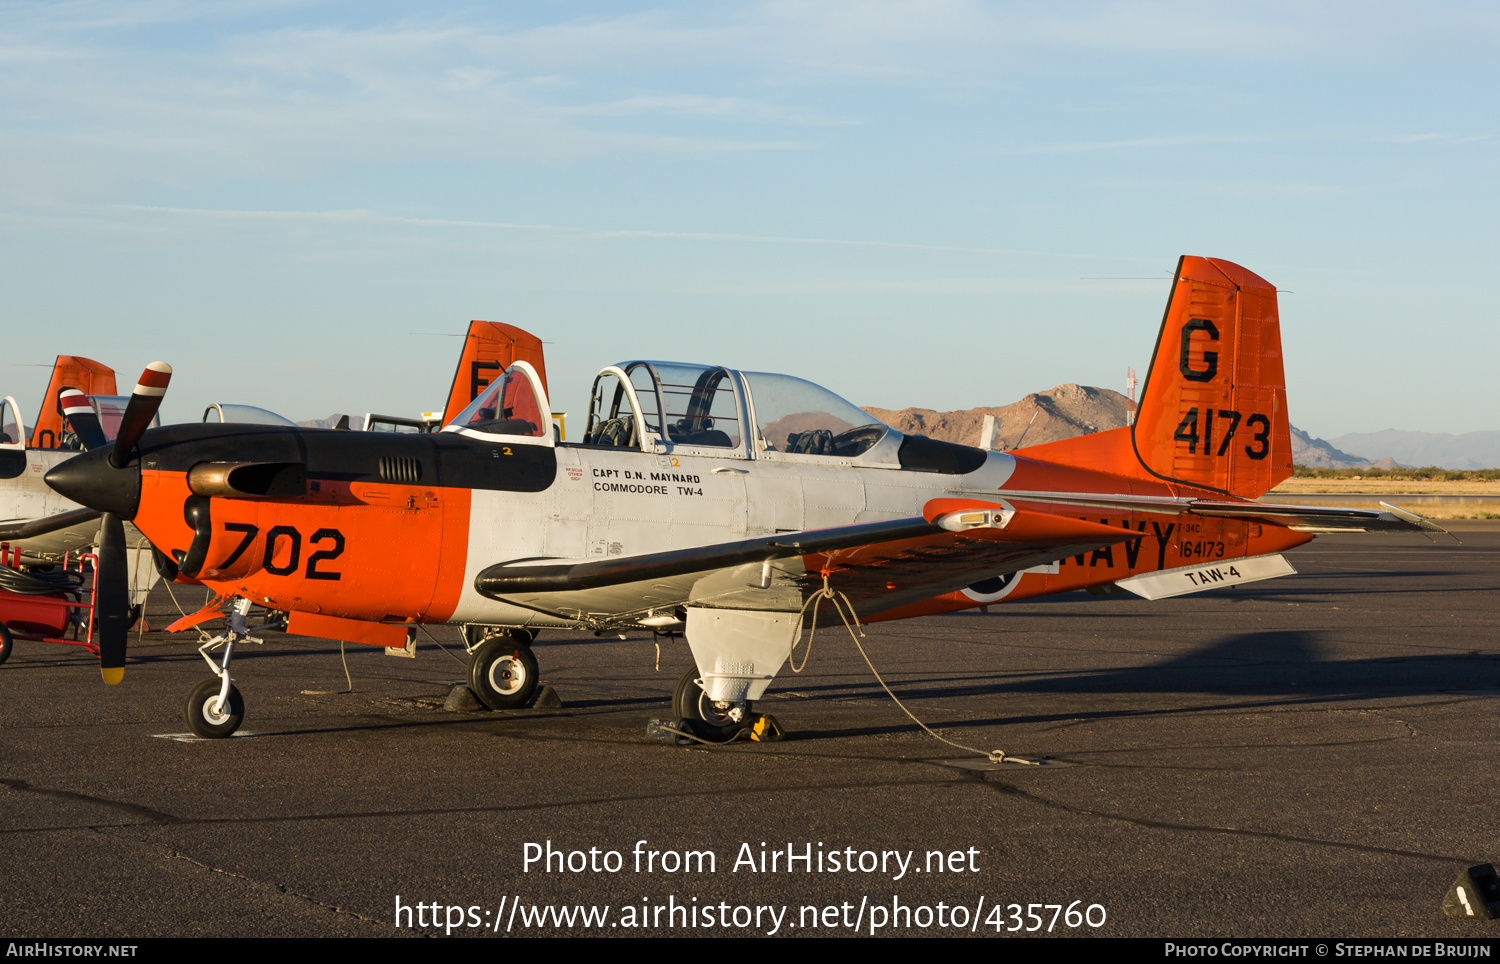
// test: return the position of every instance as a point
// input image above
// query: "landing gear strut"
(215, 708)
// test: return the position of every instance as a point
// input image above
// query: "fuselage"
(395, 528)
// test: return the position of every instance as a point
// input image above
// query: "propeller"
(112, 596)
(139, 411)
(82, 419)
(112, 599)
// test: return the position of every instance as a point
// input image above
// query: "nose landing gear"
(214, 708)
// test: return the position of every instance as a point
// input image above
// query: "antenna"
(1130, 393)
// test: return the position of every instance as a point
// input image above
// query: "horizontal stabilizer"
(1320, 518)
(1308, 518)
(1190, 579)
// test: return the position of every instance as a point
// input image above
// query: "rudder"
(69, 371)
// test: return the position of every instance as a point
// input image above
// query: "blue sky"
(906, 201)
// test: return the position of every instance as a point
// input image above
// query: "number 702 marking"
(289, 534)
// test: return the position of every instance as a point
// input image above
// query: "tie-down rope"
(845, 609)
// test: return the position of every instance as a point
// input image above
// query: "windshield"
(110, 409)
(508, 406)
(10, 424)
(240, 414)
(797, 417)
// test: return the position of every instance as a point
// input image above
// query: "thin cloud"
(729, 108)
(1438, 138)
(1137, 143)
(361, 216)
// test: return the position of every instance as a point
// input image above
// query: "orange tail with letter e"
(489, 348)
(1213, 407)
(69, 371)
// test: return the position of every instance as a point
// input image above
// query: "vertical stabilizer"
(1213, 407)
(489, 348)
(69, 371)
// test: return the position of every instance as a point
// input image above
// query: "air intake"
(400, 469)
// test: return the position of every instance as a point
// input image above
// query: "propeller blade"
(144, 402)
(82, 419)
(112, 599)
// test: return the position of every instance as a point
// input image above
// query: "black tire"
(503, 673)
(690, 703)
(203, 721)
(7, 643)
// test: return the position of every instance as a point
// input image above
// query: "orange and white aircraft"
(713, 502)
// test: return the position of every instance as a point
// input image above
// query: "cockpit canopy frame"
(703, 410)
(513, 409)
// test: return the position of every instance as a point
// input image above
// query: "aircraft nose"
(90, 480)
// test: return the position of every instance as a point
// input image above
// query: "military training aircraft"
(710, 501)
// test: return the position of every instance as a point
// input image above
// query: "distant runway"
(1309, 756)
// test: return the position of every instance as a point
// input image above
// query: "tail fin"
(489, 349)
(69, 371)
(1213, 407)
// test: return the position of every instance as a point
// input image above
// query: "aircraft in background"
(35, 521)
(41, 530)
(720, 503)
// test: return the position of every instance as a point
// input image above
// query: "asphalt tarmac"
(1311, 756)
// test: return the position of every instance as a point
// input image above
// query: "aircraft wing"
(878, 565)
(31, 528)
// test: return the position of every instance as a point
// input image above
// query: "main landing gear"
(215, 708)
(719, 721)
(714, 720)
(502, 670)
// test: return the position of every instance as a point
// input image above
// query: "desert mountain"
(1070, 410)
(1059, 413)
(330, 421)
(1318, 454)
(1471, 450)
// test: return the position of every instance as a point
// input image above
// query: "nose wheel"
(207, 716)
(503, 673)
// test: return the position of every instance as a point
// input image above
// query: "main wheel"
(708, 721)
(203, 720)
(503, 673)
(7, 643)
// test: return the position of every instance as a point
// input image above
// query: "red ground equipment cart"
(49, 606)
